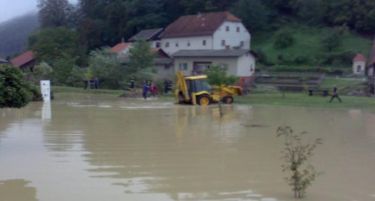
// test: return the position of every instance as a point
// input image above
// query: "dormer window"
(227, 28)
(176, 44)
(188, 44)
(204, 42)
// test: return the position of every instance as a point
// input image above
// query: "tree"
(310, 11)
(14, 90)
(104, 65)
(331, 41)
(217, 75)
(297, 155)
(51, 44)
(140, 61)
(54, 13)
(254, 14)
(284, 39)
(62, 68)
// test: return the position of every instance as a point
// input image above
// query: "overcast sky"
(13, 8)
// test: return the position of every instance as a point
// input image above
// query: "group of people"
(149, 88)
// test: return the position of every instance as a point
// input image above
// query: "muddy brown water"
(99, 148)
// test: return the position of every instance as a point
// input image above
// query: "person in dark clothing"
(132, 84)
(335, 95)
(145, 90)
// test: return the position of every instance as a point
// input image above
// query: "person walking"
(335, 95)
(145, 90)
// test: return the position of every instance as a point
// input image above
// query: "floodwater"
(97, 148)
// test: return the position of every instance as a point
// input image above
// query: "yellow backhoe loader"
(196, 90)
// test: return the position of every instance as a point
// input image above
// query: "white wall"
(237, 66)
(232, 37)
(246, 65)
(362, 65)
(196, 43)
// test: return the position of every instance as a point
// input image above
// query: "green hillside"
(308, 49)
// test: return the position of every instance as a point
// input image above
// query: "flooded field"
(100, 148)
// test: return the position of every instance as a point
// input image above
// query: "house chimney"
(122, 40)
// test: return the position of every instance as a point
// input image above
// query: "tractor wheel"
(203, 100)
(181, 98)
(228, 100)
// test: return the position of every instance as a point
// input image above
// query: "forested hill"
(15, 32)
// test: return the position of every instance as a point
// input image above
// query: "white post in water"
(45, 87)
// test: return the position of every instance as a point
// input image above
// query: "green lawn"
(60, 89)
(302, 99)
(258, 97)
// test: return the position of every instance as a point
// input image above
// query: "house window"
(157, 45)
(227, 28)
(176, 44)
(167, 44)
(183, 66)
(238, 29)
(223, 43)
(188, 44)
(242, 44)
(204, 42)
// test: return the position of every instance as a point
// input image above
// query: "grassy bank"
(308, 45)
(59, 89)
(303, 100)
(259, 97)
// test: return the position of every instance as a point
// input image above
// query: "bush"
(331, 41)
(217, 75)
(297, 154)
(14, 90)
(337, 59)
(284, 39)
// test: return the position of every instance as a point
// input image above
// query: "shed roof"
(211, 53)
(359, 57)
(120, 47)
(2, 60)
(147, 35)
(198, 25)
(23, 59)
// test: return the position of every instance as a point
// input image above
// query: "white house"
(209, 31)
(359, 65)
(195, 42)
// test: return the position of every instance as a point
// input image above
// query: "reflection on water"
(103, 149)
(17, 190)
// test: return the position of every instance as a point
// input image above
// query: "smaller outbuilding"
(359, 65)
(121, 48)
(24, 61)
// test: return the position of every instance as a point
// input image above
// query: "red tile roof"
(120, 47)
(198, 25)
(23, 59)
(359, 57)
